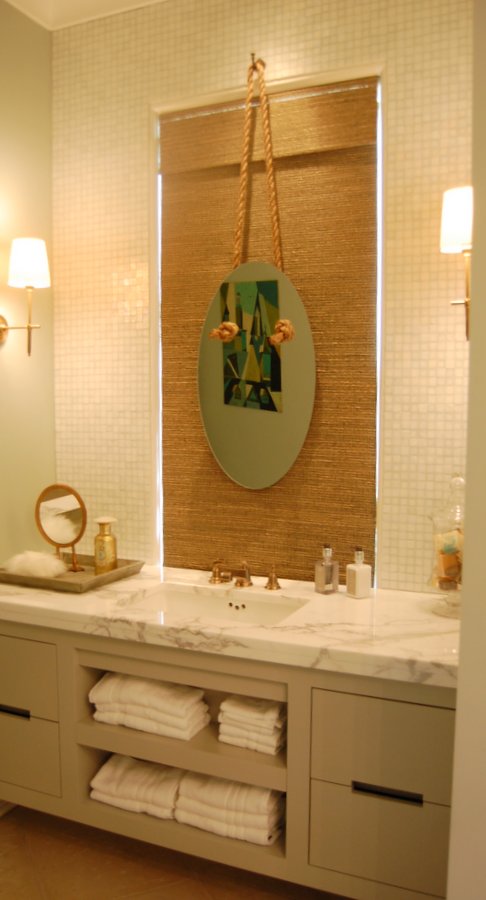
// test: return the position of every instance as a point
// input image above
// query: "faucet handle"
(272, 583)
(220, 573)
(215, 577)
(243, 578)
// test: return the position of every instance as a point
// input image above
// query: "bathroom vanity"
(369, 687)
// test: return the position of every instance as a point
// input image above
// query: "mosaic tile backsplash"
(109, 76)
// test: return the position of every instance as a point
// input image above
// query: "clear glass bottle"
(326, 572)
(358, 576)
(105, 558)
(448, 534)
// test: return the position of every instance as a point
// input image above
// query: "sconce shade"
(457, 220)
(29, 266)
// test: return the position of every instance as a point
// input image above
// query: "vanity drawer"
(28, 676)
(390, 743)
(390, 841)
(29, 753)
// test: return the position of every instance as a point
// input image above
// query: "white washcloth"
(254, 710)
(266, 739)
(137, 785)
(260, 821)
(261, 729)
(223, 794)
(172, 699)
(254, 835)
(248, 744)
(133, 709)
(143, 723)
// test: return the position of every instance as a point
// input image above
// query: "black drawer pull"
(15, 711)
(362, 787)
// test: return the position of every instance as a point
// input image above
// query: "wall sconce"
(29, 269)
(456, 234)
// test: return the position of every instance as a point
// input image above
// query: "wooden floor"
(46, 858)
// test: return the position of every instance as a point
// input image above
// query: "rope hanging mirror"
(251, 402)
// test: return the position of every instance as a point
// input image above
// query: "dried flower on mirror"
(284, 331)
(225, 332)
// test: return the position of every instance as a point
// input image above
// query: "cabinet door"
(384, 840)
(29, 753)
(28, 677)
(385, 743)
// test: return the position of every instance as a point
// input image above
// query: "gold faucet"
(242, 576)
(222, 574)
(219, 574)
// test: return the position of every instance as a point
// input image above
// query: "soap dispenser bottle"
(105, 559)
(326, 572)
(358, 576)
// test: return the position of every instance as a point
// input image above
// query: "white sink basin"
(219, 604)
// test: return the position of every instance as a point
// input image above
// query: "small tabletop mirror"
(60, 514)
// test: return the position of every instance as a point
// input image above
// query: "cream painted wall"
(26, 384)
(109, 75)
(467, 873)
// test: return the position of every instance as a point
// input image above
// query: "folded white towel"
(254, 835)
(255, 710)
(150, 809)
(143, 723)
(173, 699)
(223, 794)
(143, 785)
(249, 744)
(263, 728)
(134, 709)
(267, 739)
(260, 821)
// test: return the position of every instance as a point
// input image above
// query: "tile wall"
(109, 76)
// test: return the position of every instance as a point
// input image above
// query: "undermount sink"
(176, 602)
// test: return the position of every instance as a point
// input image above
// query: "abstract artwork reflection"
(251, 364)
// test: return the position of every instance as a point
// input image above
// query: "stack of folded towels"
(254, 723)
(142, 787)
(234, 810)
(172, 710)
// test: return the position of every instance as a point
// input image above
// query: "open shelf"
(203, 753)
(186, 838)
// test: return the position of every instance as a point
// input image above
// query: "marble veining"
(396, 635)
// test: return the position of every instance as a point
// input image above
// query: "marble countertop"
(396, 635)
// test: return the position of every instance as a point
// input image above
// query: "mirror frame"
(84, 520)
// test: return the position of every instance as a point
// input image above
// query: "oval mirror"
(256, 375)
(61, 517)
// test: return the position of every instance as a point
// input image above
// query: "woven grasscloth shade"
(324, 143)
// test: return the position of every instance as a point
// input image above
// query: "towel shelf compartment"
(203, 753)
(206, 679)
(176, 836)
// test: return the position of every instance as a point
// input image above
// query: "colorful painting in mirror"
(251, 364)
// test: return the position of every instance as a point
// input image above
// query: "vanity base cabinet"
(380, 789)
(347, 737)
(29, 731)
(380, 839)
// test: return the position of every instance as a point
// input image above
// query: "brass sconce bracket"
(467, 299)
(3, 329)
